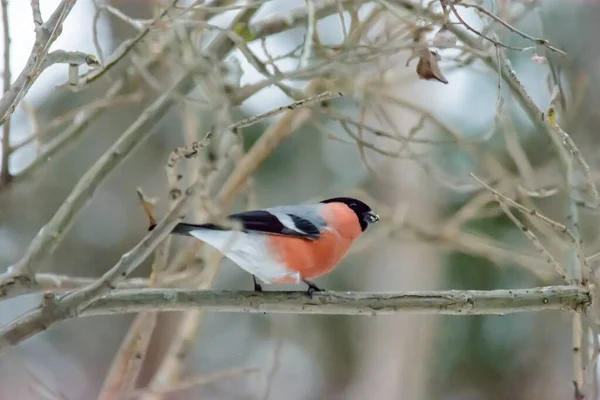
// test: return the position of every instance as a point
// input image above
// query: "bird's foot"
(312, 288)
(257, 287)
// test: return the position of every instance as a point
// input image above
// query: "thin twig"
(556, 225)
(81, 121)
(73, 303)
(127, 364)
(50, 235)
(119, 53)
(576, 153)
(307, 48)
(45, 36)
(14, 282)
(578, 387)
(129, 360)
(196, 381)
(244, 168)
(533, 238)
(260, 29)
(5, 175)
(77, 114)
(192, 149)
(537, 41)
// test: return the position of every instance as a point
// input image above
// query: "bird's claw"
(312, 288)
(257, 286)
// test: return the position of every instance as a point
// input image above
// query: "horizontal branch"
(70, 57)
(457, 302)
(17, 285)
(454, 302)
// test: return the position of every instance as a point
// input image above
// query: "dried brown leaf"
(429, 69)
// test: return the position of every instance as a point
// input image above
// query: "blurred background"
(416, 172)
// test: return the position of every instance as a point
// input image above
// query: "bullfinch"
(287, 244)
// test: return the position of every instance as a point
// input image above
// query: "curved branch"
(46, 34)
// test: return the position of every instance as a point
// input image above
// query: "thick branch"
(454, 302)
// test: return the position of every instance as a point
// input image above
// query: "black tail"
(184, 228)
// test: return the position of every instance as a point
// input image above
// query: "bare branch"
(453, 302)
(72, 303)
(196, 381)
(70, 57)
(192, 149)
(119, 53)
(12, 286)
(260, 29)
(50, 235)
(37, 14)
(537, 41)
(45, 36)
(5, 175)
(125, 368)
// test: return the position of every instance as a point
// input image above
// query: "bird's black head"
(364, 213)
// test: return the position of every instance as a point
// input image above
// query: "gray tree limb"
(452, 302)
(45, 35)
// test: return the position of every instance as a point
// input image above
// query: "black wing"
(259, 221)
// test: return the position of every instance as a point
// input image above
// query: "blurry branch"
(297, 16)
(169, 371)
(6, 78)
(120, 52)
(129, 360)
(195, 382)
(127, 364)
(45, 35)
(258, 30)
(576, 264)
(71, 133)
(61, 283)
(54, 308)
(537, 41)
(52, 233)
(293, 116)
(192, 149)
(72, 304)
(505, 202)
(70, 57)
(109, 100)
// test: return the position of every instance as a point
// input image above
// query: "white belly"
(249, 251)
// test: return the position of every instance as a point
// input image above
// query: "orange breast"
(313, 258)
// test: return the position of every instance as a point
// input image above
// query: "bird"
(287, 243)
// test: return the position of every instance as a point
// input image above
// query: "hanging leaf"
(428, 67)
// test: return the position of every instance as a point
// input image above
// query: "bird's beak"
(371, 217)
